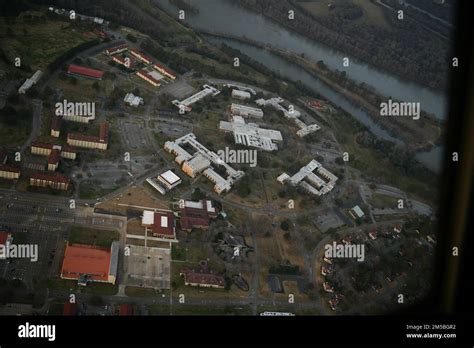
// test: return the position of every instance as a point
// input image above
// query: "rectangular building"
(140, 56)
(117, 49)
(246, 111)
(202, 280)
(165, 71)
(87, 263)
(89, 141)
(160, 224)
(9, 172)
(241, 95)
(55, 181)
(81, 71)
(56, 126)
(197, 214)
(53, 159)
(148, 78)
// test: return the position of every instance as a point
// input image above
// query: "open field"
(38, 41)
(100, 238)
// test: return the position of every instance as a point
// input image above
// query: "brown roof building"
(54, 180)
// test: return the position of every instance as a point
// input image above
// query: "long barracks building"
(90, 141)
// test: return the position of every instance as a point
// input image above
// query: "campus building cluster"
(185, 104)
(152, 72)
(203, 161)
(251, 134)
(290, 113)
(313, 178)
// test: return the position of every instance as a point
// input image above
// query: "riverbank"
(417, 135)
(348, 28)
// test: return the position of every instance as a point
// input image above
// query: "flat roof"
(170, 177)
(80, 259)
(81, 70)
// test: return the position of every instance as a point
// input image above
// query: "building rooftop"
(80, 70)
(170, 177)
(9, 168)
(203, 278)
(53, 177)
(80, 259)
(161, 223)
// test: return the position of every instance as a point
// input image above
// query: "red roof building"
(117, 49)
(160, 224)
(56, 126)
(139, 55)
(205, 280)
(91, 141)
(85, 72)
(54, 180)
(9, 172)
(41, 145)
(88, 263)
(164, 71)
(197, 215)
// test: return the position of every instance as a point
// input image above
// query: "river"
(222, 16)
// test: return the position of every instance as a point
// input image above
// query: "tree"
(285, 225)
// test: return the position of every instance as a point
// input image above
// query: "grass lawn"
(100, 238)
(383, 201)
(91, 288)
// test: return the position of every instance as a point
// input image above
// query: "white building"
(241, 88)
(30, 82)
(164, 182)
(313, 178)
(290, 113)
(242, 95)
(133, 100)
(202, 161)
(246, 111)
(185, 104)
(251, 134)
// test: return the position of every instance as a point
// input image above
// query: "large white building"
(313, 178)
(251, 134)
(185, 104)
(246, 111)
(290, 113)
(203, 161)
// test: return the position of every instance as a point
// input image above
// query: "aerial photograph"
(218, 158)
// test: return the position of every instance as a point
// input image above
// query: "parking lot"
(147, 267)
